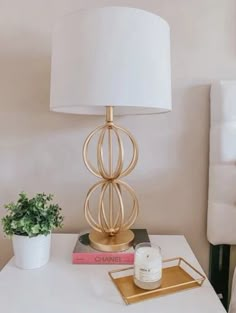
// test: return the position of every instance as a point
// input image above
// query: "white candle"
(147, 266)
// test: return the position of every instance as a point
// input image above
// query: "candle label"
(146, 274)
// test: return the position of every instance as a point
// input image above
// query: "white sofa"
(221, 222)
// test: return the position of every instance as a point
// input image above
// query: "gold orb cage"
(110, 222)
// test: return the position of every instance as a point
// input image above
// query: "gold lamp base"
(120, 242)
(111, 218)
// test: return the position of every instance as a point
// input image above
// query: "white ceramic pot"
(31, 252)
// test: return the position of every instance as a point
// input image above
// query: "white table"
(60, 287)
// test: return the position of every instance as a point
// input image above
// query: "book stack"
(84, 254)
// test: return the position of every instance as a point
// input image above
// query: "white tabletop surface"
(60, 287)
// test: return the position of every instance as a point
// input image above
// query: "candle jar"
(147, 266)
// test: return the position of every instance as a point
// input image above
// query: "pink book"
(84, 254)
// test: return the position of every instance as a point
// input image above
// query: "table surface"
(60, 287)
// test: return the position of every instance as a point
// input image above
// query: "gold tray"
(177, 275)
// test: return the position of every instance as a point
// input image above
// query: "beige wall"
(41, 151)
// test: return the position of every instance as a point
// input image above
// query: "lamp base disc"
(120, 242)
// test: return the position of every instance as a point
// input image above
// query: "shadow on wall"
(171, 178)
(5, 251)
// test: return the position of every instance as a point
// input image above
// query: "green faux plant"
(32, 217)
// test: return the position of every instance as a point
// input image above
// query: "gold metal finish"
(112, 218)
(109, 114)
(102, 242)
(177, 275)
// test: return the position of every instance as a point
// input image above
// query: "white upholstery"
(221, 223)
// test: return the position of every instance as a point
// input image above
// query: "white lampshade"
(113, 56)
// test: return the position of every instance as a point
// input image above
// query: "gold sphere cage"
(110, 222)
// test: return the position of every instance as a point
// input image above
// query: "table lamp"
(105, 61)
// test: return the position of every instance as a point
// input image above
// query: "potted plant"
(29, 222)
